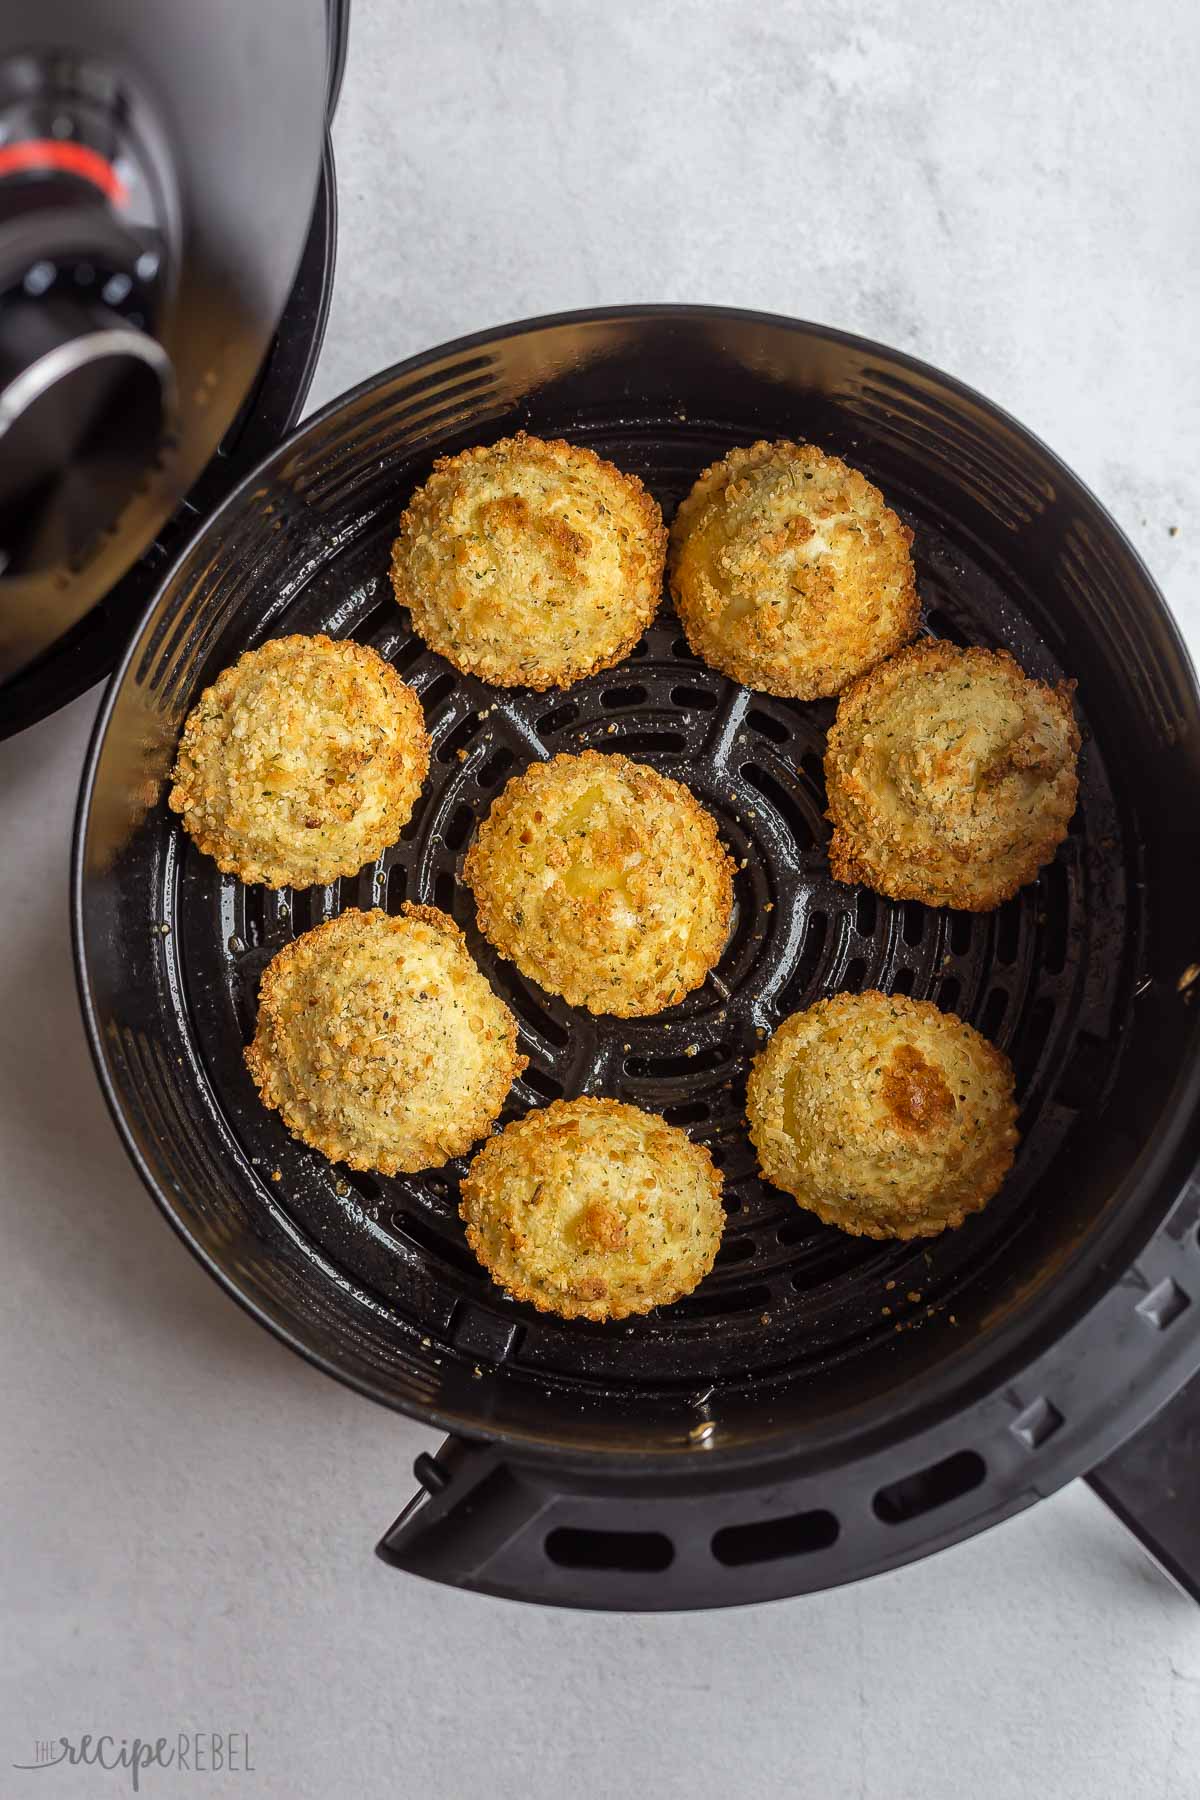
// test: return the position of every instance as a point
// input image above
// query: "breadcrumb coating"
(604, 881)
(381, 1044)
(593, 1209)
(951, 776)
(882, 1115)
(301, 762)
(790, 572)
(530, 563)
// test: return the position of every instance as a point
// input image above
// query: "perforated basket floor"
(1046, 977)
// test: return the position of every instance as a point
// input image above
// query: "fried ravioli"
(951, 777)
(593, 1209)
(882, 1115)
(381, 1044)
(604, 881)
(301, 762)
(530, 563)
(789, 571)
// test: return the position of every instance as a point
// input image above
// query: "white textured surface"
(1009, 191)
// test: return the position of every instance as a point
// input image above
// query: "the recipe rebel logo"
(194, 1752)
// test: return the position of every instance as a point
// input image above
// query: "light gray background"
(1007, 190)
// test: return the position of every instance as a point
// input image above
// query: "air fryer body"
(872, 1401)
(157, 184)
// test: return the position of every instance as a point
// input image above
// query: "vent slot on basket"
(1032, 1035)
(702, 1305)
(459, 738)
(782, 802)
(961, 924)
(534, 1016)
(769, 1540)
(396, 891)
(815, 933)
(558, 718)
(929, 1488)
(798, 1229)
(624, 1552)
(404, 655)
(437, 691)
(541, 1083)
(814, 767)
(1056, 905)
(459, 828)
(645, 743)
(943, 626)
(496, 767)
(913, 919)
(994, 1009)
(852, 980)
(700, 1064)
(1008, 930)
(440, 1247)
(735, 1250)
(688, 1112)
(767, 727)
(687, 697)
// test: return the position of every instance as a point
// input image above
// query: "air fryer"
(822, 1407)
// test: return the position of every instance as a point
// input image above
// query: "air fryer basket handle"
(468, 1509)
(481, 1522)
(1152, 1484)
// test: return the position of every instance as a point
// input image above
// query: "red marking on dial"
(72, 159)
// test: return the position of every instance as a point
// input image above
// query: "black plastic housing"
(822, 1407)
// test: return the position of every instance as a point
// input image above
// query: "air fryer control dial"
(72, 136)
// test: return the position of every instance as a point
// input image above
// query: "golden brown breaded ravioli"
(790, 572)
(593, 1209)
(604, 881)
(301, 762)
(530, 563)
(381, 1044)
(882, 1115)
(951, 776)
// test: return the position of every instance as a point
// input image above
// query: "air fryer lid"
(91, 648)
(834, 1366)
(156, 187)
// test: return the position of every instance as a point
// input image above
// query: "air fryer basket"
(843, 1404)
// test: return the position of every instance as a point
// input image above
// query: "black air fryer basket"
(822, 1406)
